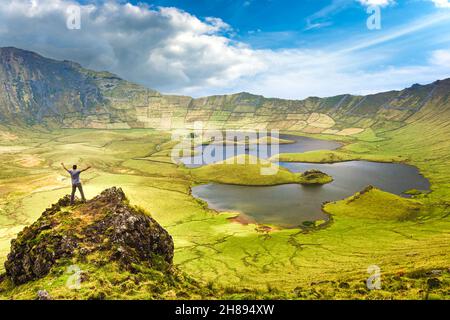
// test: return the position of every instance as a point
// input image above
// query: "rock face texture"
(37, 90)
(106, 225)
(315, 177)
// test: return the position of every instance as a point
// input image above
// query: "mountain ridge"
(39, 90)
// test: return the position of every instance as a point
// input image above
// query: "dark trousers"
(74, 189)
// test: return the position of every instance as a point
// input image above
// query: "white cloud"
(381, 3)
(294, 74)
(163, 48)
(173, 51)
(441, 58)
(442, 3)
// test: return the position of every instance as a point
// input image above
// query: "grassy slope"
(284, 263)
(327, 156)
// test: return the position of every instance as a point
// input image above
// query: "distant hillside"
(37, 90)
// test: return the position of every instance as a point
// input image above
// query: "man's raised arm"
(86, 169)
(64, 167)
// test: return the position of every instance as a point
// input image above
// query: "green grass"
(373, 203)
(242, 261)
(243, 170)
(101, 279)
(328, 156)
(250, 171)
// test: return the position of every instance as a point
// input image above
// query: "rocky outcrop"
(106, 225)
(315, 177)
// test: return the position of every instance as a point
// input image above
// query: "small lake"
(301, 144)
(290, 205)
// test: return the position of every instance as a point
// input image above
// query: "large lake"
(290, 205)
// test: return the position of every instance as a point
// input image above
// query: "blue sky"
(334, 18)
(300, 23)
(282, 48)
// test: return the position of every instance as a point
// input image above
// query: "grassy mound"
(248, 170)
(243, 170)
(372, 203)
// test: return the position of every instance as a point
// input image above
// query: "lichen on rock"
(315, 177)
(106, 225)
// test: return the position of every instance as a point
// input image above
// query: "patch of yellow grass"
(320, 120)
(349, 131)
(29, 160)
(7, 136)
(11, 149)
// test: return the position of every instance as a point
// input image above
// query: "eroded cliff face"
(37, 90)
(34, 88)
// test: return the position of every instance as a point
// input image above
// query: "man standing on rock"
(76, 183)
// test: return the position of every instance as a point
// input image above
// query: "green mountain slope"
(38, 90)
